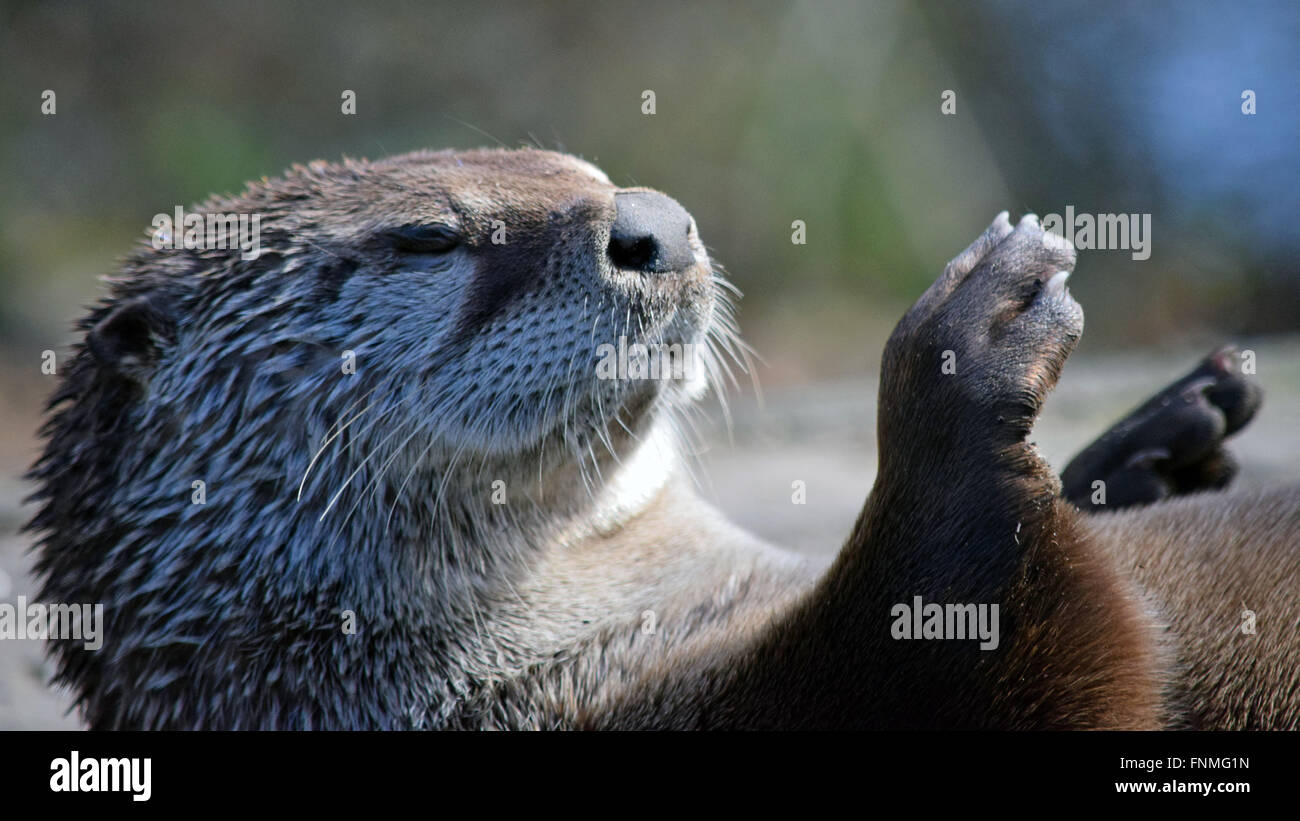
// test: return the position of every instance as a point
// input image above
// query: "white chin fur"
(642, 474)
(698, 383)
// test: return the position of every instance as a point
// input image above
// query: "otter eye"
(422, 239)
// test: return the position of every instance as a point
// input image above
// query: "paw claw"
(1055, 287)
(1147, 458)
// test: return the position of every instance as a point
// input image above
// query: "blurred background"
(766, 113)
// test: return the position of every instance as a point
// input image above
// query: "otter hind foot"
(1172, 444)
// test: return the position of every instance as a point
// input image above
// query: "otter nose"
(650, 233)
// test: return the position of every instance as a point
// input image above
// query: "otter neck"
(465, 559)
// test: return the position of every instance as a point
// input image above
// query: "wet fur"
(531, 614)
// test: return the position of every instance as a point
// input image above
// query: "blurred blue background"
(767, 112)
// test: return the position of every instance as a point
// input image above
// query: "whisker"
(326, 444)
(358, 469)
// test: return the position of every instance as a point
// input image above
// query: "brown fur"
(534, 613)
(1201, 561)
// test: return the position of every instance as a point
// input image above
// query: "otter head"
(428, 351)
(495, 307)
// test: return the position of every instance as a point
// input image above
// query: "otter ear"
(128, 341)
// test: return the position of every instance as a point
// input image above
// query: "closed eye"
(422, 239)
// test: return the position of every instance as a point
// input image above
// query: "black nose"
(650, 233)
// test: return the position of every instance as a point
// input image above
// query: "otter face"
(541, 273)
(505, 308)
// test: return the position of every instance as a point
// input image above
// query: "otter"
(372, 479)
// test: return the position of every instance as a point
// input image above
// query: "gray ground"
(821, 434)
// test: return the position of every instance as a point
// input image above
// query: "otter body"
(376, 478)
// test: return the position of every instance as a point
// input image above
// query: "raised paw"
(1172, 444)
(984, 345)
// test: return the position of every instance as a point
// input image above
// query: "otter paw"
(988, 339)
(1172, 444)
